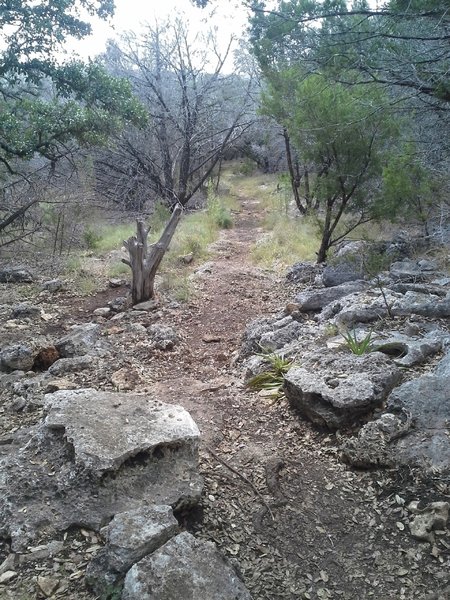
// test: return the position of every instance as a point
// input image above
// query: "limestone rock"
(413, 271)
(47, 585)
(116, 282)
(80, 341)
(427, 400)
(15, 275)
(71, 365)
(342, 272)
(105, 453)
(336, 389)
(317, 299)
(19, 357)
(130, 536)
(408, 351)
(283, 332)
(102, 311)
(184, 569)
(23, 310)
(433, 516)
(53, 286)
(303, 272)
(163, 337)
(147, 306)
(105, 429)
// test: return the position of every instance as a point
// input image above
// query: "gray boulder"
(81, 341)
(105, 453)
(23, 310)
(15, 275)
(71, 365)
(184, 569)
(252, 336)
(317, 299)
(443, 367)
(303, 272)
(130, 536)
(427, 401)
(336, 388)
(342, 272)
(17, 358)
(413, 271)
(284, 331)
(413, 432)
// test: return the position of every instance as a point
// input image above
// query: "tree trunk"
(294, 180)
(145, 260)
(326, 235)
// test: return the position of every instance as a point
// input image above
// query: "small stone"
(146, 306)
(7, 576)
(53, 286)
(103, 311)
(116, 282)
(47, 585)
(125, 379)
(186, 259)
(23, 310)
(210, 338)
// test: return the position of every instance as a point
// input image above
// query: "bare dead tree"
(196, 114)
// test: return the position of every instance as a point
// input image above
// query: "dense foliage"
(47, 105)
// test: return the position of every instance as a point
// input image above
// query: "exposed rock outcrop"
(185, 567)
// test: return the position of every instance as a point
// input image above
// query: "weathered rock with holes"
(130, 536)
(105, 453)
(284, 331)
(184, 568)
(163, 337)
(15, 275)
(81, 341)
(315, 300)
(427, 400)
(19, 357)
(408, 351)
(337, 388)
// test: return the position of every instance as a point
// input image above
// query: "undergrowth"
(272, 378)
(356, 346)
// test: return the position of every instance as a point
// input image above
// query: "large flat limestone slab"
(95, 455)
(107, 428)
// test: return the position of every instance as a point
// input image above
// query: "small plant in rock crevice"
(356, 346)
(273, 377)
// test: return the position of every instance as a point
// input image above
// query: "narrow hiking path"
(293, 519)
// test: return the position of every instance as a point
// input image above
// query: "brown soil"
(315, 529)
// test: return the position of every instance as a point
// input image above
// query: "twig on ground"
(243, 477)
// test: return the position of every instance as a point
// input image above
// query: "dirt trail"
(313, 529)
(316, 529)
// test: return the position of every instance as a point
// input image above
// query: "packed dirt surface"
(292, 518)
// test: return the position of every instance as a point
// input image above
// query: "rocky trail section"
(290, 516)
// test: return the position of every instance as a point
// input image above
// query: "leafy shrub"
(91, 238)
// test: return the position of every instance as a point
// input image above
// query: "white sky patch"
(229, 19)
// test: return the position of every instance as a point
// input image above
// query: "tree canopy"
(48, 105)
